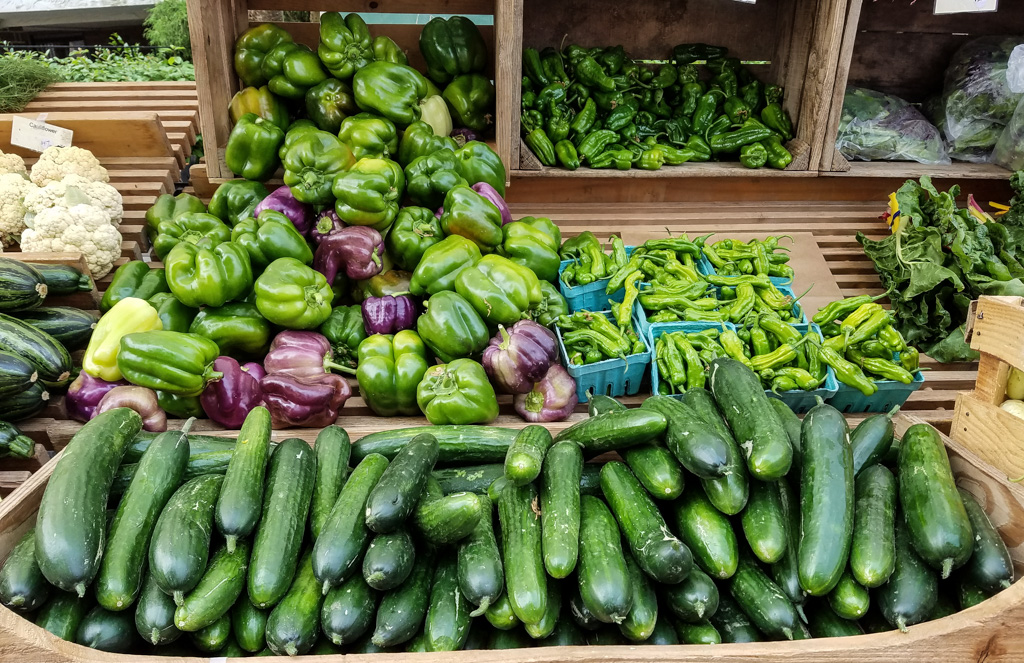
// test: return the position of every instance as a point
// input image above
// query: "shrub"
(21, 79)
(167, 25)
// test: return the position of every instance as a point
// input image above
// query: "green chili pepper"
(888, 370)
(721, 125)
(892, 338)
(802, 377)
(910, 359)
(813, 351)
(759, 339)
(727, 82)
(534, 67)
(623, 311)
(837, 309)
(566, 153)
(753, 156)
(875, 348)
(706, 111)
(621, 159)
(777, 119)
(870, 327)
(847, 372)
(696, 315)
(753, 95)
(541, 146)
(557, 124)
(551, 61)
(734, 346)
(737, 110)
(695, 377)
(591, 74)
(674, 363)
(585, 118)
(749, 132)
(595, 142)
(780, 356)
(783, 383)
(778, 156)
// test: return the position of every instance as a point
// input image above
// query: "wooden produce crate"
(795, 39)
(903, 48)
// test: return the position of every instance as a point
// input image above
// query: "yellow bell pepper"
(128, 316)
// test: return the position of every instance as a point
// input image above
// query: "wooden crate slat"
(118, 133)
(378, 6)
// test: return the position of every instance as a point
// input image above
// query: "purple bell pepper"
(327, 223)
(85, 394)
(463, 135)
(284, 202)
(491, 194)
(520, 355)
(304, 401)
(230, 399)
(300, 354)
(140, 399)
(551, 399)
(389, 314)
(357, 249)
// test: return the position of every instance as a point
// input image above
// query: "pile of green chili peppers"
(599, 108)
(591, 337)
(862, 346)
(762, 257)
(589, 261)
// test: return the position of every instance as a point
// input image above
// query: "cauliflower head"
(55, 163)
(100, 195)
(13, 190)
(78, 228)
(12, 163)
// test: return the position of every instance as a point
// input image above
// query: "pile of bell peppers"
(599, 108)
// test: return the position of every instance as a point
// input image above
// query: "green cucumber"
(581, 613)
(565, 634)
(456, 443)
(756, 427)
(515, 639)
(990, 566)
(158, 475)
(71, 525)
(643, 616)
(698, 633)
(481, 575)
(231, 650)
(693, 599)
(937, 520)
(606, 636)
(214, 637)
(969, 595)
(198, 444)
(394, 497)
(945, 606)
(62, 614)
(249, 624)
(552, 611)
(708, 533)
(501, 615)
(612, 431)
(469, 479)
(344, 535)
(873, 553)
(323, 647)
(659, 553)
(697, 446)
(348, 611)
(848, 599)
(664, 633)
(791, 423)
(525, 581)
(825, 623)
(768, 608)
(63, 279)
(69, 326)
(590, 480)
(221, 585)
(241, 494)
(764, 524)
(874, 621)
(22, 585)
(704, 406)
(275, 551)
(560, 508)
(786, 572)
(603, 576)
(447, 624)
(332, 451)
(388, 561)
(450, 518)
(180, 545)
(871, 440)
(912, 590)
(479, 636)
(826, 499)
(732, 623)
(599, 404)
(728, 493)
(526, 454)
(402, 611)
(657, 469)
(107, 631)
(294, 623)
(51, 359)
(154, 614)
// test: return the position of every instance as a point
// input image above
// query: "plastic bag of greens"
(1009, 152)
(880, 127)
(977, 99)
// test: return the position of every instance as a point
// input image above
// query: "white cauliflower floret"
(77, 228)
(13, 190)
(56, 163)
(12, 163)
(100, 195)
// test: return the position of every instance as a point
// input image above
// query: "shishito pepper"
(390, 368)
(585, 118)
(538, 142)
(134, 279)
(847, 372)
(419, 139)
(457, 393)
(451, 327)
(595, 143)
(313, 163)
(472, 216)
(174, 316)
(291, 69)
(441, 263)
(368, 193)
(776, 117)
(533, 243)
(192, 228)
(252, 47)
(533, 66)
(330, 102)
(252, 147)
(235, 200)
(592, 74)
(259, 101)
(345, 44)
(470, 98)
(369, 136)
(558, 121)
(452, 47)
(293, 295)
(238, 329)
(429, 178)
(749, 132)
(168, 361)
(270, 236)
(551, 306)
(393, 91)
(500, 290)
(200, 276)
(566, 153)
(128, 316)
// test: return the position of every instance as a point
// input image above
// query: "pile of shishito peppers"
(599, 108)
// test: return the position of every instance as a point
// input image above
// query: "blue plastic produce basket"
(611, 377)
(658, 328)
(890, 394)
(590, 297)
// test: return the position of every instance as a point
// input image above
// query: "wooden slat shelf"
(723, 169)
(957, 170)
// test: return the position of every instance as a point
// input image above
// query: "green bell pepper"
(451, 327)
(133, 279)
(479, 163)
(457, 393)
(345, 44)
(452, 47)
(429, 178)
(469, 214)
(167, 207)
(551, 306)
(500, 290)
(386, 50)
(390, 369)
(394, 91)
(290, 294)
(369, 136)
(368, 194)
(441, 263)
(174, 316)
(238, 329)
(533, 243)
(470, 98)
(344, 329)
(252, 47)
(202, 276)
(168, 361)
(415, 230)
(252, 146)
(419, 139)
(311, 165)
(434, 111)
(235, 200)
(291, 69)
(182, 407)
(330, 102)
(259, 101)
(270, 236)
(192, 228)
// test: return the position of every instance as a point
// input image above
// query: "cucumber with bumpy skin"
(402, 610)
(602, 573)
(698, 447)
(786, 572)
(221, 585)
(388, 561)
(612, 431)
(526, 454)
(398, 490)
(481, 575)
(566, 634)
(768, 608)
(560, 508)
(909, 595)
(707, 532)
(657, 469)
(500, 614)
(348, 611)
(871, 440)
(22, 585)
(639, 624)
(694, 599)
(212, 639)
(241, 495)
(154, 614)
(664, 633)
(332, 450)
(791, 423)
(848, 599)
(546, 625)
(456, 443)
(823, 622)
(728, 493)
(990, 566)
(764, 524)
(873, 553)
(294, 623)
(525, 581)
(732, 623)
(447, 624)
(249, 625)
(698, 633)
(63, 613)
(107, 631)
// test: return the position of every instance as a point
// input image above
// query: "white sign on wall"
(964, 6)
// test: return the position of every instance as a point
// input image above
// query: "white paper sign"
(965, 6)
(37, 135)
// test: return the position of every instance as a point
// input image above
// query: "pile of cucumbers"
(723, 518)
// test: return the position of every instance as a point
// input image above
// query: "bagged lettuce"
(880, 127)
